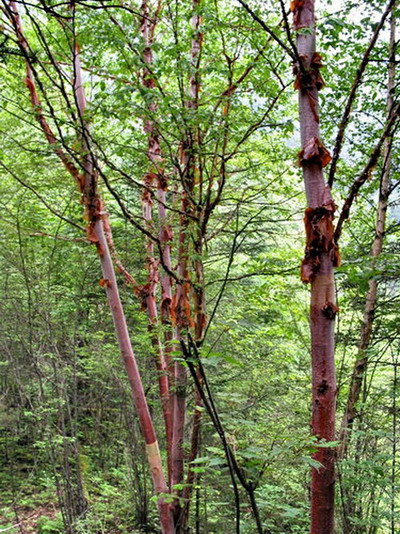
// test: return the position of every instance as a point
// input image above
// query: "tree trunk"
(196, 318)
(97, 221)
(152, 179)
(361, 364)
(321, 256)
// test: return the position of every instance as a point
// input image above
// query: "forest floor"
(27, 520)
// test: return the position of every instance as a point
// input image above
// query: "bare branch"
(366, 173)
(268, 30)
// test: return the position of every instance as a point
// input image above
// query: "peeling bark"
(153, 177)
(96, 230)
(187, 316)
(321, 256)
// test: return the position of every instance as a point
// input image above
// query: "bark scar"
(322, 387)
(296, 7)
(330, 310)
(314, 151)
(308, 79)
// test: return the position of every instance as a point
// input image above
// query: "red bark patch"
(150, 178)
(166, 303)
(167, 234)
(93, 238)
(143, 294)
(319, 240)
(296, 4)
(296, 7)
(314, 151)
(162, 182)
(91, 234)
(180, 309)
(303, 13)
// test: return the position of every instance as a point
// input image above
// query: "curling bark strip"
(95, 215)
(321, 256)
(361, 364)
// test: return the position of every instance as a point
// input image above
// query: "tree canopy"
(178, 179)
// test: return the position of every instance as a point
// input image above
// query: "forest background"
(173, 127)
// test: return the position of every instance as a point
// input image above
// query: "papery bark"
(151, 182)
(96, 215)
(195, 317)
(317, 268)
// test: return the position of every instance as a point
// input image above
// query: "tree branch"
(357, 81)
(366, 173)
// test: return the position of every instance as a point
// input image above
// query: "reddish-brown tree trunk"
(193, 188)
(96, 216)
(317, 268)
(152, 180)
(165, 237)
(153, 453)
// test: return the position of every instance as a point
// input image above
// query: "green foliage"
(69, 436)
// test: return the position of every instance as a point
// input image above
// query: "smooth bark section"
(318, 264)
(153, 453)
(361, 364)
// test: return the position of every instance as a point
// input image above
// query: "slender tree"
(321, 256)
(361, 364)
